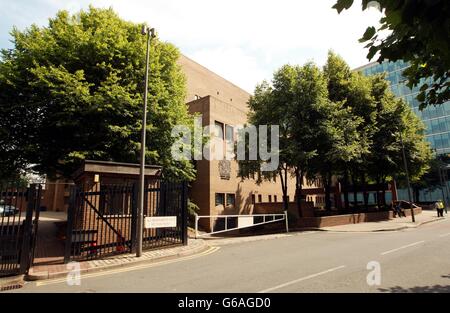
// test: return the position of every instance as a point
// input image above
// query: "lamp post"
(443, 167)
(407, 178)
(150, 32)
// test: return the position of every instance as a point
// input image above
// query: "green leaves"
(368, 34)
(418, 33)
(79, 85)
(342, 5)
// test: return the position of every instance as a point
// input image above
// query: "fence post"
(196, 225)
(286, 219)
(27, 230)
(35, 223)
(134, 203)
(184, 215)
(70, 222)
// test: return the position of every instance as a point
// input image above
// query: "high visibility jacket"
(440, 205)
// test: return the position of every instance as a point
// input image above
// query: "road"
(411, 260)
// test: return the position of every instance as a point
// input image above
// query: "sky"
(244, 41)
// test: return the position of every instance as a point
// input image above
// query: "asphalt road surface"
(414, 260)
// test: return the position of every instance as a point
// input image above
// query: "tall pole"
(445, 178)
(441, 181)
(140, 211)
(407, 178)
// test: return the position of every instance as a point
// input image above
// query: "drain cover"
(11, 287)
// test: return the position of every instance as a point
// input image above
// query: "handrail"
(275, 217)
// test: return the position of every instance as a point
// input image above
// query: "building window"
(220, 199)
(229, 133)
(230, 199)
(270, 198)
(259, 198)
(253, 199)
(275, 198)
(218, 130)
(229, 141)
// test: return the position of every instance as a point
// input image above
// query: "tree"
(297, 101)
(419, 34)
(73, 91)
(355, 119)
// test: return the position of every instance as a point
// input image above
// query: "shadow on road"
(419, 289)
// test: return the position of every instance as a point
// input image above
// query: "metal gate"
(102, 218)
(19, 216)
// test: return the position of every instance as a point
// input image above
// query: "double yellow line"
(210, 250)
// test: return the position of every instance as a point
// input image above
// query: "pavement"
(395, 224)
(409, 260)
(51, 271)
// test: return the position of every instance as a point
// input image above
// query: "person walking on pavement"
(440, 208)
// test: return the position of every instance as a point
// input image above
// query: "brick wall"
(328, 221)
(277, 207)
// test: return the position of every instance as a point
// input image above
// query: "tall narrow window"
(230, 199)
(218, 141)
(259, 198)
(270, 198)
(220, 199)
(229, 142)
(218, 130)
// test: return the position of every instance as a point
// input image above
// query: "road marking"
(128, 269)
(301, 279)
(444, 235)
(402, 247)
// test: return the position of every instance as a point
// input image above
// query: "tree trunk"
(346, 201)
(416, 194)
(284, 188)
(355, 193)
(298, 190)
(383, 193)
(365, 193)
(328, 191)
(378, 194)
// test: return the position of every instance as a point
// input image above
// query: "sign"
(245, 221)
(160, 221)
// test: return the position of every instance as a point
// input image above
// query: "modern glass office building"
(436, 118)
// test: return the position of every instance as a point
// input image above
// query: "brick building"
(217, 189)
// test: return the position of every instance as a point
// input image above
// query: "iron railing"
(226, 223)
(19, 214)
(102, 218)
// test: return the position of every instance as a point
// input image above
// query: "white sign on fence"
(245, 221)
(160, 221)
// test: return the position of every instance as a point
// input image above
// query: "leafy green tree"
(352, 91)
(73, 91)
(264, 110)
(297, 101)
(419, 34)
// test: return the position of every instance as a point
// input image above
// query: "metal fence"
(19, 215)
(102, 218)
(226, 223)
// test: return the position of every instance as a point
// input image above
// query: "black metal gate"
(102, 218)
(19, 216)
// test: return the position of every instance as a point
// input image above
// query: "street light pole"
(150, 32)
(407, 178)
